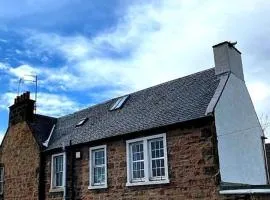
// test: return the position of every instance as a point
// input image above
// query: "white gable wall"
(240, 148)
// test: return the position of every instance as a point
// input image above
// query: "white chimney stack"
(228, 59)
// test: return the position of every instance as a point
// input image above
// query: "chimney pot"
(27, 94)
(24, 96)
(18, 99)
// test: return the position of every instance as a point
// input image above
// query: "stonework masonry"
(20, 158)
(193, 171)
(192, 161)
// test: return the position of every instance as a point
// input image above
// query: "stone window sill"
(94, 187)
(58, 189)
(147, 183)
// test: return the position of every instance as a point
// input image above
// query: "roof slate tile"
(172, 102)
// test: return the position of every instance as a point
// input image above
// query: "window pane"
(59, 179)
(157, 158)
(137, 160)
(99, 157)
(99, 175)
(137, 151)
(157, 149)
(58, 163)
(98, 167)
(58, 170)
(138, 170)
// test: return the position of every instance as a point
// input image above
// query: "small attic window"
(82, 121)
(119, 103)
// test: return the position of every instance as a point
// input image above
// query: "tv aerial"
(29, 78)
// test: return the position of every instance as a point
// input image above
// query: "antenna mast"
(35, 81)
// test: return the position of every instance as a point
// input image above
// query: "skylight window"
(81, 122)
(119, 103)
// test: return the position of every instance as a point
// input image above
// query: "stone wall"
(192, 161)
(20, 157)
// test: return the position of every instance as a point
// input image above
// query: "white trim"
(58, 188)
(146, 161)
(46, 143)
(91, 185)
(245, 191)
(147, 169)
(128, 163)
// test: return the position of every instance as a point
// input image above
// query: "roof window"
(82, 121)
(119, 103)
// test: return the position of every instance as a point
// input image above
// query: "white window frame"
(2, 181)
(147, 159)
(91, 171)
(53, 187)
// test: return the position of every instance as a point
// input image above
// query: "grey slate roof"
(172, 102)
(41, 127)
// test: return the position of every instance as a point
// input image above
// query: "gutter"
(245, 191)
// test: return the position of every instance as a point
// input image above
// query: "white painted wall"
(239, 134)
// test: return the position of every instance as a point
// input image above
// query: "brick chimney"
(228, 59)
(22, 109)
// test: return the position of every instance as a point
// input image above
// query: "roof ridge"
(160, 84)
(45, 116)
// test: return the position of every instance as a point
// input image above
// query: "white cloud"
(47, 104)
(162, 40)
(52, 79)
(3, 66)
(55, 105)
(165, 40)
(259, 91)
(260, 94)
(6, 100)
(23, 71)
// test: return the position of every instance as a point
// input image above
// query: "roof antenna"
(232, 44)
(34, 80)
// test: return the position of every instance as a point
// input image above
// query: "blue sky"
(85, 52)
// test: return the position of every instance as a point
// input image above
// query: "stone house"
(196, 137)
